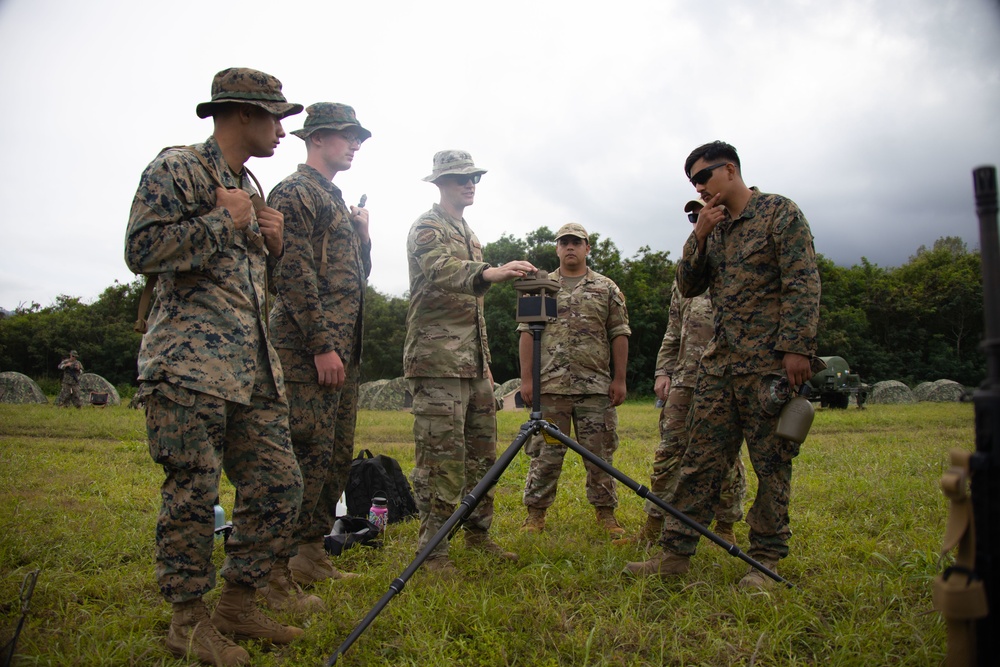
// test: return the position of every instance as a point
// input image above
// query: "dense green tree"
(385, 331)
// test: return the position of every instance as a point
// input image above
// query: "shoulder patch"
(425, 236)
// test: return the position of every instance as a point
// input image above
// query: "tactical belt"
(959, 594)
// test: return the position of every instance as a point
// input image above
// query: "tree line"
(917, 322)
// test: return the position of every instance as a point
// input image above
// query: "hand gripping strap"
(145, 299)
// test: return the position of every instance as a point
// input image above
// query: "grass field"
(79, 497)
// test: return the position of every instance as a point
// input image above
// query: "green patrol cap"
(249, 86)
(330, 116)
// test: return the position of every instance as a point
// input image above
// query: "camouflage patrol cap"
(249, 86)
(452, 162)
(694, 205)
(73, 353)
(330, 116)
(573, 229)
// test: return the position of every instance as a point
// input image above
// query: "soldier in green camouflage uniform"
(690, 326)
(211, 380)
(316, 323)
(446, 358)
(755, 254)
(582, 377)
(69, 393)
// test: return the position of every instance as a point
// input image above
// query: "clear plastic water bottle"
(379, 512)
(220, 521)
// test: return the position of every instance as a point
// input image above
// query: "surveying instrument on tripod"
(536, 306)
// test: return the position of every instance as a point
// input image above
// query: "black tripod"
(536, 306)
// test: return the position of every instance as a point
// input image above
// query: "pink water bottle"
(379, 512)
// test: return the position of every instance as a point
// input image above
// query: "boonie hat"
(573, 229)
(452, 162)
(330, 116)
(73, 353)
(249, 86)
(694, 205)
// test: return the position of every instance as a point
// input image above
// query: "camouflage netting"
(507, 387)
(941, 391)
(387, 395)
(890, 391)
(92, 382)
(19, 388)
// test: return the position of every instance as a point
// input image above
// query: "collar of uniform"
(214, 155)
(323, 181)
(750, 210)
(584, 278)
(458, 223)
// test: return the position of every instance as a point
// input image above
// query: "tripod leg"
(644, 492)
(465, 508)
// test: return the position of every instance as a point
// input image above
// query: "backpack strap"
(959, 594)
(145, 299)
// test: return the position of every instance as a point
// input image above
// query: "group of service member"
(272, 399)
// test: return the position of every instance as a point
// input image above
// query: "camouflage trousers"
(195, 436)
(69, 394)
(726, 410)
(668, 455)
(596, 424)
(322, 421)
(455, 433)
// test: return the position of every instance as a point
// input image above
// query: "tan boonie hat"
(452, 162)
(573, 229)
(249, 86)
(694, 205)
(330, 116)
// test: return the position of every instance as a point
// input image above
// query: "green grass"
(79, 497)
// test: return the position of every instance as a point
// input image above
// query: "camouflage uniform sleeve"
(800, 285)
(666, 359)
(162, 236)
(693, 275)
(430, 249)
(366, 258)
(617, 324)
(297, 280)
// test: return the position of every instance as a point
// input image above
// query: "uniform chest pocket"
(755, 245)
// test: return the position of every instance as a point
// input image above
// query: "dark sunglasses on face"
(693, 217)
(464, 180)
(702, 176)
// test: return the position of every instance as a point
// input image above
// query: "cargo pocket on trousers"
(168, 425)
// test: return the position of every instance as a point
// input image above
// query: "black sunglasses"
(702, 176)
(464, 180)
(693, 217)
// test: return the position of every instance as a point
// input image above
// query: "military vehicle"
(834, 386)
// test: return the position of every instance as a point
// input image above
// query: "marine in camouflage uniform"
(587, 342)
(316, 322)
(690, 326)
(69, 393)
(446, 358)
(755, 254)
(211, 380)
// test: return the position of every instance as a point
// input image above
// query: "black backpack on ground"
(379, 475)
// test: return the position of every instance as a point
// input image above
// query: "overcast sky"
(869, 114)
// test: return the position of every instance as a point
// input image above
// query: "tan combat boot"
(649, 535)
(281, 593)
(755, 579)
(535, 523)
(663, 565)
(311, 564)
(725, 531)
(192, 635)
(481, 541)
(606, 517)
(237, 615)
(440, 564)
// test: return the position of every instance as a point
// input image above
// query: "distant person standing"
(69, 393)
(316, 323)
(210, 378)
(446, 358)
(582, 380)
(754, 252)
(690, 327)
